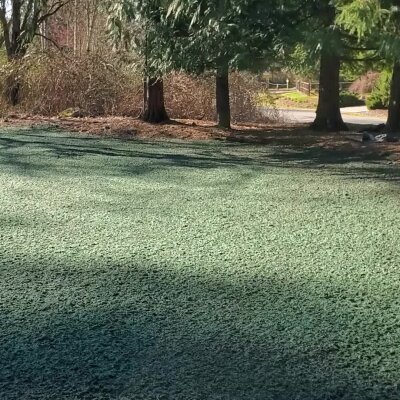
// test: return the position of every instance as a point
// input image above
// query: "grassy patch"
(297, 100)
(300, 100)
(297, 97)
(187, 270)
(289, 100)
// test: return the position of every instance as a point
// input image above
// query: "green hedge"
(348, 99)
(380, 95)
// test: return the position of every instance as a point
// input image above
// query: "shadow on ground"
(77, 324)
(146, 332)
(262, 149)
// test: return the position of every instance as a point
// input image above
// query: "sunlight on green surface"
(287, 100)
(183, 270)
(300, 97)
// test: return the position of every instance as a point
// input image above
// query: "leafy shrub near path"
(348, 99)
(379, 97)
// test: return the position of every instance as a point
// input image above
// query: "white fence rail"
(304, 87)
(277, 86)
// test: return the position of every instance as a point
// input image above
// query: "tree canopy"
(321, 40)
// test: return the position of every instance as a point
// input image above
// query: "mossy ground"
(186, 270)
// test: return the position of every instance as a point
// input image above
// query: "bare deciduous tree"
(20, 22)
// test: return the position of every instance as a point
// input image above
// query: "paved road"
(307, 116)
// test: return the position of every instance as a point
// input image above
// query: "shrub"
(380, 95)
(52, 82)
(245, 88)
(97, 85)
(365, 83)
(107, 85)
(190, 96)
(266, 99)
(348, 99)
(193, 97)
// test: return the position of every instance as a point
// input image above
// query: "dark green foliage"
(374, 22)
(142, 28)
(302, 62)
(348, 99)
(378, 23)
(380, 96)
(235, 32)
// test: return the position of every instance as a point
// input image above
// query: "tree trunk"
(20, 21)
(392, 127)
(155, 107)
(12, 83)
(75, 35)
(14, 53)
(328, 116)
(222, 97)
(144, 107)
(92, 18)
(12, 89)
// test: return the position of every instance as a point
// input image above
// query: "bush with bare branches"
(106, 85)
(365, 83)
(193, 97)
(51, 83)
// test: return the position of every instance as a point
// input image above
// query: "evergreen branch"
(359, 48)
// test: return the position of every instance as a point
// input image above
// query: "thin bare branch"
(54, 9)
(55, 44)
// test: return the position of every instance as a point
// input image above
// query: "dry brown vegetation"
(108, 86)
(365, 83)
